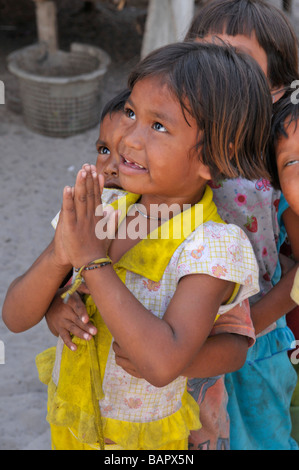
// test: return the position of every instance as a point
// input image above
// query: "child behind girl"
(69, 319)
(258, 398)
(282, 162)
(148, 290)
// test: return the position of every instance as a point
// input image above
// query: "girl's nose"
(133, 137)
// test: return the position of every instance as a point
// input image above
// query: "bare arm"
(219, 355)
(277, 302)
(30, 295)
(291, 222)
(160, 349)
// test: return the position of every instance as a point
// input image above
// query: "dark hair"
(228, 96)
(116, 104)
(273, 31)
(285, 111)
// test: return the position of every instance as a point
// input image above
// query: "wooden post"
(167, 21)
(287, 5)
(47, 23)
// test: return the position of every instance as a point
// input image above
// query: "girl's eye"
(103, 150)
(159, 127)
(292, 162)
(129, 113)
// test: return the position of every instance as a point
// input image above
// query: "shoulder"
(220, 250)
(217, 235)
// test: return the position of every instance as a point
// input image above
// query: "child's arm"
(30, 295)
(278, 302)
(159, 348)
(69, 319)
(220, 354)
(275, 303)
(224, 351)
(291, 222)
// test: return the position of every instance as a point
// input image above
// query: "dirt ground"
(34, 169)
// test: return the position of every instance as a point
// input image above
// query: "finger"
(79, 332)
(97, 189)
(79, 315)
(90, 190)
(80, 194)
(77, 304)
(68, 207)
(66, 338)
(101, 183)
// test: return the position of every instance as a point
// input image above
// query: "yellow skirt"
(63, 439)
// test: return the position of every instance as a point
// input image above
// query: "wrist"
(89, 260)
(59, 265)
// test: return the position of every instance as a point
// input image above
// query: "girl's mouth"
(130, 165)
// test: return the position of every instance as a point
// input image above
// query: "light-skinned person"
(262, 31)
(148, 288)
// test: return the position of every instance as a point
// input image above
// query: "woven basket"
(61, 93)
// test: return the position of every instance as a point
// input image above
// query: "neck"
(155, 204)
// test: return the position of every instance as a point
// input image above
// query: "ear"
(204, 171)
(231, 150)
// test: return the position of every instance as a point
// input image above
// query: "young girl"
(232, 332)
(158, 295)
(262, 31)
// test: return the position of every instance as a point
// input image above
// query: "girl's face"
(287, 157)
(107, 148)
(156, 152)
(248, 45)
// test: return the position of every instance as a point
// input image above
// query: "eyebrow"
(100, 142)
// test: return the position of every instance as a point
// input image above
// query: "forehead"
(153, 95)
(157, 86)
(110, 123)
(286, 144)
(244, 43)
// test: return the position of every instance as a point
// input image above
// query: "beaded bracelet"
(98, 263)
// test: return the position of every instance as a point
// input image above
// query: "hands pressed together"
(75, 238)
(76, 243)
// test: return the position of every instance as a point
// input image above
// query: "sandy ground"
(34, 169)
